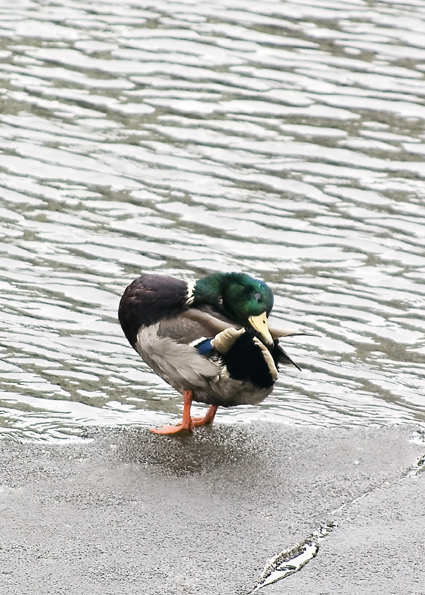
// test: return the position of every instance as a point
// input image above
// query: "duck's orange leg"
(186, 423)
(208, 417)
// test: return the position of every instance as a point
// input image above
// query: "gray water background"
(284, 139)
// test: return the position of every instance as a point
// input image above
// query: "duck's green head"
(241, 298)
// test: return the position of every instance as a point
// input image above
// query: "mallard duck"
(209, 340)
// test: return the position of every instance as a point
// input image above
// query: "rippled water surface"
(285, 139)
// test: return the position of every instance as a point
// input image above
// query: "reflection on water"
(282, 139)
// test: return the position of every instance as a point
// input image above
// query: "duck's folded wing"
(278, 332)
(195, 324)
(192, 325)
(178, 363)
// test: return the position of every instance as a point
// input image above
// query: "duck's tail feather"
(283, 358)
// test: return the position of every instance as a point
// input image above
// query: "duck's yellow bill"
(259, 323)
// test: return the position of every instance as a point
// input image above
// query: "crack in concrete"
(293, 559)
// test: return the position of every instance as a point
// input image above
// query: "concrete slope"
(126, 512)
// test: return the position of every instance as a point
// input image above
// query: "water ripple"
(281, 139)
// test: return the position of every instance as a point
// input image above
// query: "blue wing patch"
(205, 348)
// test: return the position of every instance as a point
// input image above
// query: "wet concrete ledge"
(127, 512)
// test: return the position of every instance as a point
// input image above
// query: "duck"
(209, 339)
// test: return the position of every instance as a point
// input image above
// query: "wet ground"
(128, 512)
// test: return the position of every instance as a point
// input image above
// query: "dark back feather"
(148, 300)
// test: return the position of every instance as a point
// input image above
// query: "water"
(284, 139)
(293, 559)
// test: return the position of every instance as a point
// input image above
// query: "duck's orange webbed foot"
(165, 430)
(208, 417)
(186, 424)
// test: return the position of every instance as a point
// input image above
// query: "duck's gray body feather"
(180, 364)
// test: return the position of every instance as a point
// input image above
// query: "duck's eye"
(257, 297)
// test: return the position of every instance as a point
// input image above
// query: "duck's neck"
(208, 290)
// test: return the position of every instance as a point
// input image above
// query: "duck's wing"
(278, 332)
(217, 322)
(196, 324)
(192, 325)
(177, 362)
